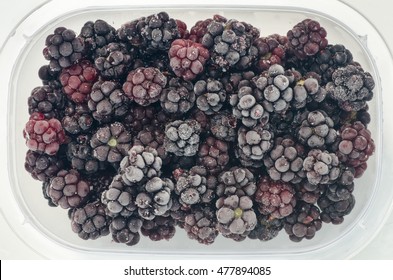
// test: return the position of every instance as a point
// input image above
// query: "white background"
(379, 14)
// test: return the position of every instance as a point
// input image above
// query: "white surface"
(378, 13)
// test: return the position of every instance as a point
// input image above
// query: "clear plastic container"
(47, 230)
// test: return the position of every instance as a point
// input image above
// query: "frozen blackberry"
(141, 164)
(111, 143)
(42, 135)
(78, 118)
(210, 95)
(194, 186)
(90, 221)
(236, 181)
(178, 97)
(130, 32)
(182, 26)
(307, 38)
(321, 167)
(303, 223)
(77, 80)
(275, 199)
(160, 228)
(107, 101)
(187, 58)
(138, 117)
(200, 27)
(266, 228)
(317, 130)
(119, 198)
(100, 182)
(306, 91)
(253, 144)
(49, 77)
(200, 224)
(144, 85)
(47, 101)
(223, 126)
(97, 35)
(126, 230)
(68, 190)
(182, 137)
(307, 192)
(235, 216)
(213, 154)
(271, 50)
(152, 136)
(45, 188)
(355, 146)
(42, 167)
(234, 81)
(115, 61)
(351, 87)
(63, 49)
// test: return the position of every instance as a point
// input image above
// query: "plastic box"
(47, 230)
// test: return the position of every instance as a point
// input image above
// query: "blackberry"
(235, 216)
(47, 101)
(115, 61)
(77, 80)
(144, 85)
(182, 137)
(223, 126)
(141, 164)
(78, 118)
(266, 228)
(130, 32)
(152, 136)
(210, 95)
(309, 193)
(187, 58)
(107, 101)
(42, 167)
(321, 167)
(213, 154)
(317, 130)
(126, 230)
(45, 188)
(200, 27)
(63, 49)
(236, 181)
(160, 228)
(178, 97)
(100, 183)
(200, 224)
(285, 161)
(275, 199)
(307, 38)
(271, 50)
(202, 119)
(306, 91)
(138, 117)
(42, 135)
(111, 143)
(49, 77)
(234, 81)
(351, 87)
(182, 26)
(68, 190)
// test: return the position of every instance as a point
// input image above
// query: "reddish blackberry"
(306, 91)
(178, 97)
(275, 199)
(182, 26)
(187, 58)
(351, 87)
(321, 167)
(126, 230)
(271, 50)
(266, 228)
(223, 126)
(111, 143)
(42, 135)
(161, 228)
(253, 144)
(90, 221)
(285, 161)
(144, 85)
(236, 181)
(213, 154)
(78, 118)
(235, 216)
(63, 49)
(307, 38)
(182, 137)
(42, 167)
(210, 95)
(77, 80)
(47, 101)
(107, 101)
(200, 224)
(68, 190)
(200, 28)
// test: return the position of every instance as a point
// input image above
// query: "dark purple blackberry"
(223, 126)
(235, 216)
(307, 192)
(234, 81)
(153, 136)
(351, 87)
(236, 181)
(307, 38)
(139, 117)
(200, 224)
(161, 228)
(49, 77)
(42, 167)
(126, 230)
(46, 100)
(144, 85)
(178, 97)
(307, 91)
(200, 27)
(266, 228)
(63, 49)
(304, 222)
(182, 137)
(211, 95)
(271, 50)
(275, 199)
(130, 32)
(90, 221)
(213, 154)
(68, 190)
(45, 188)
(253, 144)
(187, 58)
(78, 118)
(321, 167)
(100, 182)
